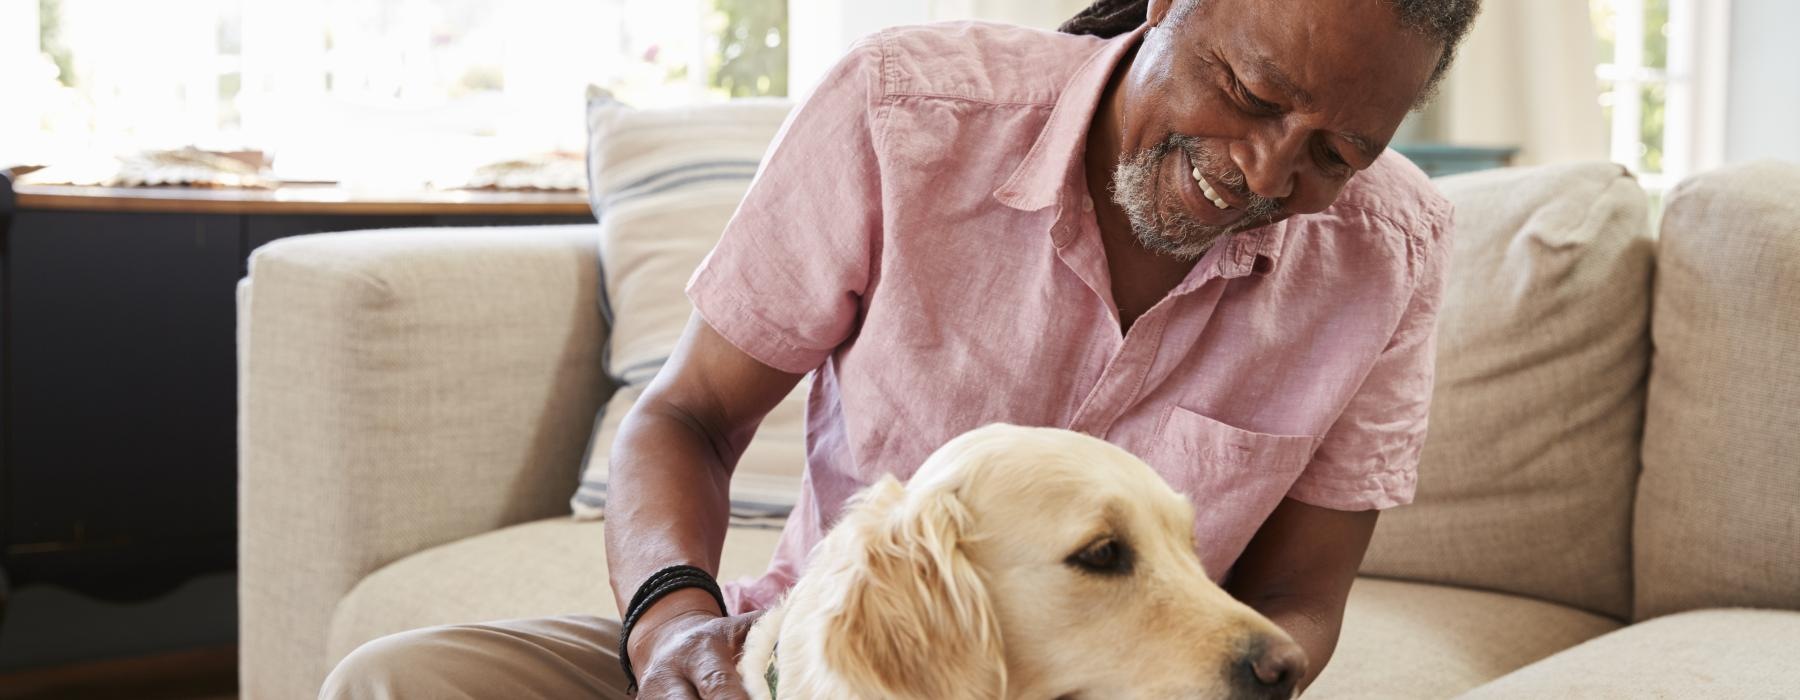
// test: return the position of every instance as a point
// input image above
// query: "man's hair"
(1446, 21)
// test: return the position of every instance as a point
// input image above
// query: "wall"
(1763, 111)
(821, 30)
(23, 75)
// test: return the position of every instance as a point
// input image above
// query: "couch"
(1608, 504)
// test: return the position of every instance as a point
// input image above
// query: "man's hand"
(691, 656)
(1297, 571)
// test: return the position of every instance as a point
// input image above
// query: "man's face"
(1275, 103)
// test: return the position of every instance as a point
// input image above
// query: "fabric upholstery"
(1525, 483)
(1400, 639)
(398, 390)
(663, 184)
(1716, 654)
(1718, 506)
(549, 567)
(1413, 640)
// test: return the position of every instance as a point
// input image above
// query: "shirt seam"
(1413, 243)
(971, 100)
(887, 91)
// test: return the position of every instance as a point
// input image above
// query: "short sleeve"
(1369, 459)
(785, 282)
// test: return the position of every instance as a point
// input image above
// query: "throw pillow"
(1525, 483)
(663, 183)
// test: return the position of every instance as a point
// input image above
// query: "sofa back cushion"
(663, 183)
(1718, 507)
(1526, 480)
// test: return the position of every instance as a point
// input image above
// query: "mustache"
(1221, 171)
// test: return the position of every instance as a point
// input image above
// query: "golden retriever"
(1018, 563)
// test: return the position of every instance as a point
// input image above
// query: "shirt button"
(1087, 204)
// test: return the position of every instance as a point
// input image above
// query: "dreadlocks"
(1107, 18)
(1444, 20)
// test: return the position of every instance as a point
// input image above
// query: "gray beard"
(1162, 225)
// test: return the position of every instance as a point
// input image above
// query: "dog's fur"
(964, 584)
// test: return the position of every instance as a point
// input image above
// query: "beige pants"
(571, 656)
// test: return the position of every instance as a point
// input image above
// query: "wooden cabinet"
(118, 373)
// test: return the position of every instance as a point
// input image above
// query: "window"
(1662, 85)
(384, 92)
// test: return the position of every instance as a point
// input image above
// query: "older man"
(1174, 226)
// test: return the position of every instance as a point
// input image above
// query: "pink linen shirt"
(922, 238)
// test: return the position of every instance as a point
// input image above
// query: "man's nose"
(1272, 669)
(1270, 162)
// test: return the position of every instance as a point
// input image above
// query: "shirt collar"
(1039, 180)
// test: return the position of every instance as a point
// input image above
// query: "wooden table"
(300, 199)
(118, 370)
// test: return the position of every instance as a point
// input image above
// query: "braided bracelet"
(660, 584)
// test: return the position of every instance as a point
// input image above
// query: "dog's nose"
(1273, 667)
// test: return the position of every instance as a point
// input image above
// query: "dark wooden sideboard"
(118, 467)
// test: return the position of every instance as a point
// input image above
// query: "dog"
(1018, 563)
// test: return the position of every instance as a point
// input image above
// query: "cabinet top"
(296, 199)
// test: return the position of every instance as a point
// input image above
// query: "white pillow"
(663, 183)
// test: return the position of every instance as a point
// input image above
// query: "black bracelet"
(663, 582)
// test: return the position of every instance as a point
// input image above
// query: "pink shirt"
(920, 236)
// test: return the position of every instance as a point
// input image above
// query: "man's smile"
(1206, 202)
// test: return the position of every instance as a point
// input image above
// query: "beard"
(1160, 219)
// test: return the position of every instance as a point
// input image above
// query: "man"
(1187, 239)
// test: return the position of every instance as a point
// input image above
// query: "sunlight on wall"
(384, 92)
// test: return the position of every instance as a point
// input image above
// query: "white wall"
(1763, 111)
(23, 76)
(821, 30)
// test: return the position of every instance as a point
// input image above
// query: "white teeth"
(1211, 194)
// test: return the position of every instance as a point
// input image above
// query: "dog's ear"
(916, 619)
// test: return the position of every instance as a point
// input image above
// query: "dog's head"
(1029, 562)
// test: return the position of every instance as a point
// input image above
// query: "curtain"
(1524, 78)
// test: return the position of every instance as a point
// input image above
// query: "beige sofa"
(1612, 477)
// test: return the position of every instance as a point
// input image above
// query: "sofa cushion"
(547, 567)
(1416, 640)
(1702, 654)
(1525, 483)
(663, 184)
(1718, 507)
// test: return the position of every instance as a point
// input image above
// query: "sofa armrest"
(398, 390)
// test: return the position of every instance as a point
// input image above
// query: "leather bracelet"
(665, 581)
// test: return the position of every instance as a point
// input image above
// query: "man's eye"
(1256, 104)
(1334, 162)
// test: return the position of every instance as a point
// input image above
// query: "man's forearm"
(668, 500)
(1312, 621)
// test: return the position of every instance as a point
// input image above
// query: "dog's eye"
(1107, 556)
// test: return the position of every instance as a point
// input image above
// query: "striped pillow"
(663, 183)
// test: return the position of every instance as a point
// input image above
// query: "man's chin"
(1186, 245)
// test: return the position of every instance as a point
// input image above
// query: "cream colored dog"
(1018, 563)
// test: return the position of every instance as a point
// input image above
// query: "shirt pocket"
(1212, 461)
(1234, 477)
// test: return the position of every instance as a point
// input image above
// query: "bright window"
(388, 92)
(1661, 80)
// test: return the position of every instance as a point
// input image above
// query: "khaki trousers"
(570, 656)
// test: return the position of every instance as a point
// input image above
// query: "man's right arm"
(668, 498)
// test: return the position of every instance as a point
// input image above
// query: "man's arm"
(1297, 571)
(669, 498)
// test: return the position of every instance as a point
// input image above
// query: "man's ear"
(916, 620)
(1159, 11)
